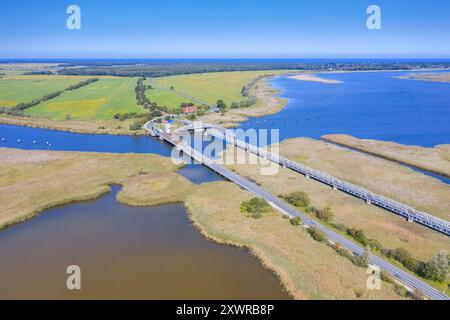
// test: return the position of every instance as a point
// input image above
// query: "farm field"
(100, 100)
(15, 69)
(18, 89)
(209, 87)
(165, 98)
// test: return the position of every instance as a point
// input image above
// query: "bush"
(295, 221)
(299, 199)
(401, 291)
(256, 207)
(416, 295)
(221, 104)
(317, 234)
(136, 125)
(404, 257)
(374, 244)
(340, 226)
(437, 268)
(360, 261)
(358, 235)
(325, 214)
(386, 277)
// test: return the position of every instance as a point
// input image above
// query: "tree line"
(18, 109)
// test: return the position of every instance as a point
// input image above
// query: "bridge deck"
(396, 272)
(408, 212)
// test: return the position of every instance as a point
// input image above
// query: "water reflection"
(125, 252)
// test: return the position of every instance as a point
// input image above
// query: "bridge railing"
(379, 200)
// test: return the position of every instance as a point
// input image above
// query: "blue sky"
(224, 29)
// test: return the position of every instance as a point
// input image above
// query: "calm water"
(68, 141)
(126, 252)
(36, 139)
(373, 105)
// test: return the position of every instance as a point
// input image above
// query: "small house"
(189, 109)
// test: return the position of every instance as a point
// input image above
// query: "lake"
(370, 105)
(125, 253)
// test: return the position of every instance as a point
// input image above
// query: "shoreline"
(268, 103)
(65, 126)
(258, 254)
(313, 78)
(232, 119)
(137, 191)
(127, 196)
(336, 139)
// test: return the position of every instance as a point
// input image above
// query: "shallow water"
(371, 105)
(36, 139)
(126, 252)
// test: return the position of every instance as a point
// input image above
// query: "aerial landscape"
(257, 160)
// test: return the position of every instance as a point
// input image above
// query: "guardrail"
(397, 273)
(403, 210)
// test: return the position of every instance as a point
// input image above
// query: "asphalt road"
(399, 274)
(396, 272)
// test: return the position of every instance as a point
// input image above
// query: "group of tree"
(245, 92)
(81, 84)
(129, 115)
(299, 199)
(159, 69)
(243, 103)
(221, 104)
(186, 104)
(357, 260)
(325, 214)
(435, 269)
(255, 207)
(144, 101)
(19, 108)
(317, 234)
(358, 235)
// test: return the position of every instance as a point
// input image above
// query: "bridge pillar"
(307, 176)
(368, 201)
(409, 219)
(334, 188)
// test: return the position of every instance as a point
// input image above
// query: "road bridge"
(396, 207)
(399, 274)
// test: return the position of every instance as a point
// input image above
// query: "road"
(396, 207)
(403, 276)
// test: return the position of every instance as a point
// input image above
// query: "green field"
(15, 69)
(18, 89)
(100, 100)
(210, 87)
(164, 97)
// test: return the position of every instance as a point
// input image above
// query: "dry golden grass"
(308, 269)
(435, 159)
(32, 181)
(91, 126)
(143, 190)
(391, 230)
(378, 175)
(436, 77)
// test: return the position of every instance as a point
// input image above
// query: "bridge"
(401, 209)
(286, 209)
